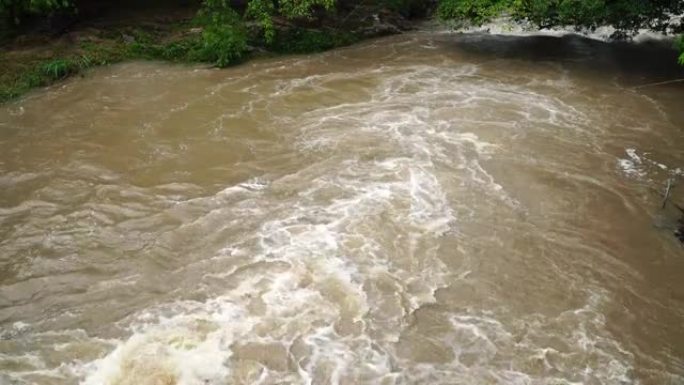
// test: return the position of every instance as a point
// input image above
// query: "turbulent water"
(431, 208)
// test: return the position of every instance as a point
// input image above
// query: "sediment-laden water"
(422, 209)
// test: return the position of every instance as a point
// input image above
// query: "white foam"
(642, 167)
(629, 167)
(310, 283)
(333, 258)
(632, 154)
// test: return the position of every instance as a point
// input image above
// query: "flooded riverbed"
(422, 209)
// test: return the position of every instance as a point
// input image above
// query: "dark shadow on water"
(653, 59)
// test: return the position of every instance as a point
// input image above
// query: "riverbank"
(35, 60)
(178, 32)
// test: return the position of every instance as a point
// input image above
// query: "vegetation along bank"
(44, 41)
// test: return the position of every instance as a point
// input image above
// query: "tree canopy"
(627, 16)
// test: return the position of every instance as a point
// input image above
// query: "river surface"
(430, 208)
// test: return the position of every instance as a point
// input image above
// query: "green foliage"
(219, 37)
(43, 74)
(478, 11)
(589, 13)
(215, 12)
(146, 44)
(302, 8)
(57, 68)
(222, 45)
(224, 39)
(264, 11)
(625, 15)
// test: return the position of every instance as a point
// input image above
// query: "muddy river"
(430, 208)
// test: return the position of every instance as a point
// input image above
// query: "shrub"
(224, 38)
(627, 16)
(57, 69)
(222, 45)
(478, 11)
(263, 11)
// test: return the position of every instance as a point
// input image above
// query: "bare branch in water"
(667, 191)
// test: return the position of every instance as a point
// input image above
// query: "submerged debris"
(667, 191)
(675, 224)
(679, 231)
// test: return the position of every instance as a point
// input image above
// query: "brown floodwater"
(431, 208)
